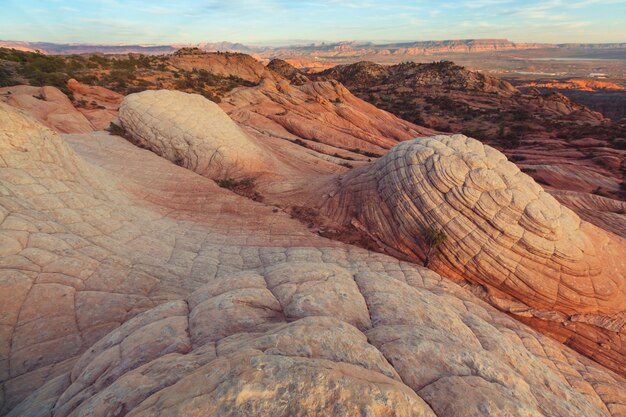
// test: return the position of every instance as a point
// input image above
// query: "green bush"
(434, 237)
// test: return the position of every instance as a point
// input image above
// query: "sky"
(279, 22)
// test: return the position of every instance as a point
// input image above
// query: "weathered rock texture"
(98, 104)
(535, 257)
(193, 132)
(221, 63)
(288, 71)
(133, 287)
(93, 108)
(49, 105)
(324, 118)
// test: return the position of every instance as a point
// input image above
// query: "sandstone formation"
(325, 114)
(413, 75)
(576, 84)
(562, 144)
(133, 287)
(98, 104)
(221, 63)
(49, 105)
(93, 108)
(193, 132)
(606, 213)
(534, 256)
(287, 71)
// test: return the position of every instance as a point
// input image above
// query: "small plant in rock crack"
(434, 237)
(117, 130)
(245, 187)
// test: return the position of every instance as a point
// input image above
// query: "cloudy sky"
(295, 21)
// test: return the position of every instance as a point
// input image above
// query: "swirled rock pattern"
(133, 287)
(193, 132)
(503, 231)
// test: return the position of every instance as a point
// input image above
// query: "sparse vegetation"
(117, 130)
(123, 74)
(365, 153)
(244, 187)
(434, 237)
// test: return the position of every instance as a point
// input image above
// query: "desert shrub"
(116, 130)
(6, 78)
(521, 115)
(208, 94)
(443, 127)
(600, 191)
(434, 237)
(245, 187)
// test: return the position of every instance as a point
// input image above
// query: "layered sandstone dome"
(534, 256)
(503, 228)
(193, 132)
(126, 291)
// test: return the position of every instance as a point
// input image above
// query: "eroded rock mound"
(221, 63)
(98, 104)
(288, 71)
(48, 105)
(503, 231)
(193, 132)
(325, 114)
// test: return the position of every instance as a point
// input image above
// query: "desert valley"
(326, 229)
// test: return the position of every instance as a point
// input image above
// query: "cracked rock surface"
(133, 287)
(533, 256)
(193, 132)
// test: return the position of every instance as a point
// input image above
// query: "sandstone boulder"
(193, 132)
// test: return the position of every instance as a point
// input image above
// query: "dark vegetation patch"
(124, 74)
(245, 187)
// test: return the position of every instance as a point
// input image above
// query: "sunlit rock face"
(504, 232)
(193, 132)
(126, 291)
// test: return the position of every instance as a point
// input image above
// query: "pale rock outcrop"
(504, 232)
(140, 265)
(193, 132)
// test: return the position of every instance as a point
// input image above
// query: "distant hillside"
(191, 70)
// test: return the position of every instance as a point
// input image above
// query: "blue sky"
(285, 21)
